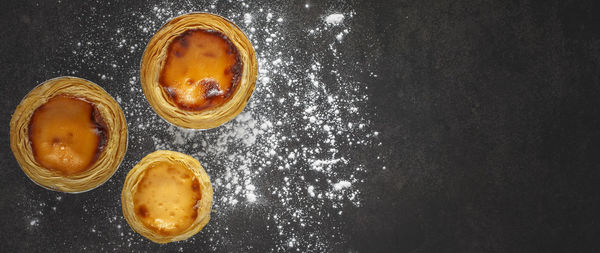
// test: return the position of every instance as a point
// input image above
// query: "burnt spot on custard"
(197, 195)
(101, 130)
(142, 211)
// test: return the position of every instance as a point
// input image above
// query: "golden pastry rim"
(109, 159)
(137, 173)
(155, 56)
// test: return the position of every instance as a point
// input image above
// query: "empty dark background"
(488, 113)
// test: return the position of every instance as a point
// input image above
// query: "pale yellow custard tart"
(167, 197)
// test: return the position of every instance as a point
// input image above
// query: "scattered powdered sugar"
(334, 19)
(341, 185)
(311, 190)
(286, 157)
(34, 222)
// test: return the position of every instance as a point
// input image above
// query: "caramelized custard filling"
(202, 70)
(166, 198)
(67, 134)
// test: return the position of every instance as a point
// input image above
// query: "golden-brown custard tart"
(167, 197)
(68, 135)
(198, 71)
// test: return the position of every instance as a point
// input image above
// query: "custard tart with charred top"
(198, 71)
(68, 135)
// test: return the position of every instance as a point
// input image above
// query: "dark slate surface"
(489, 113)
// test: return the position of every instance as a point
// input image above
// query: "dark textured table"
(479, 126)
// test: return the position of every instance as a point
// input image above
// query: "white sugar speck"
(334, 19)
(341, 185)
(311, 190)
(251, 197)
(247, 18)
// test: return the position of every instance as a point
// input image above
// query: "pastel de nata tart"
(167, 197)
(198, 71)
(68, 135)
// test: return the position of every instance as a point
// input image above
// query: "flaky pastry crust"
(108, 160)
(155, 57)
(135, 176)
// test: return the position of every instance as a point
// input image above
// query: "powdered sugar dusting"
(334, 19)
(285, 158)
(341, 185)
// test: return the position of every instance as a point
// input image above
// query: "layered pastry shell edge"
(135, 177)
(109, 158)
(155, 56)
